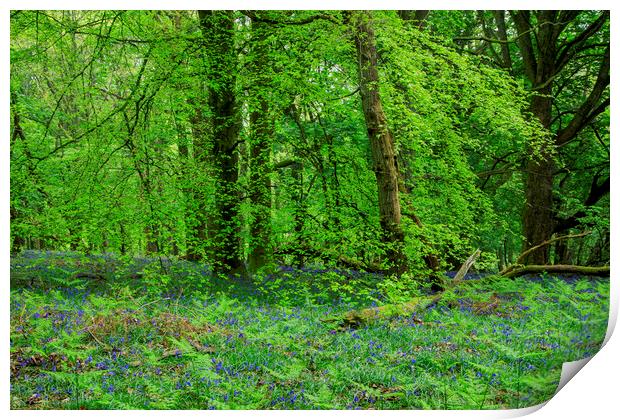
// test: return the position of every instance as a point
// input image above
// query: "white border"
(593, 393)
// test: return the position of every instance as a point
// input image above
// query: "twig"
(150, 303)
(95, 338)
(176, 306)
(545, 243)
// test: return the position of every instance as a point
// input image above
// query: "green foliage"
(475, 350)
(112, 151)
(207, 185)
(399, 289)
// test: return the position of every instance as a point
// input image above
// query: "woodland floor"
(140, 334)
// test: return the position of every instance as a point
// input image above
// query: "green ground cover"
(86, 343)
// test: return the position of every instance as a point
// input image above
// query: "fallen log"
(358, 318)
(460, 275)
(540, 245)
(89, 276)
(517, 271)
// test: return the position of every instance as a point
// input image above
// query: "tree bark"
(500, 21)
(196, 211)
(538, 215)
(262, 132)
(381, 141)
(223, 225)
(17, 132)
(460, 275)
(558, 269)
(417, 17)
(541, 65)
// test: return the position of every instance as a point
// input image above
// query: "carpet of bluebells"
(107, 332)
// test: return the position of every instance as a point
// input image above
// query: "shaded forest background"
(396, 141)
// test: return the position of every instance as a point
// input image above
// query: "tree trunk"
(262, 131)
(562, 253)
(260, 187)
(538, 215)
(18, 240)
(223, 225)
(300, 243)
(500, 21)
(417, 17)
(542, 61)
(16, 133)
(151, 233)
(123, 235)
(196, 211)
(381, 141)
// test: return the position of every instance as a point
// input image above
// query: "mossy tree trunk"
(382, 145)
(224, 122)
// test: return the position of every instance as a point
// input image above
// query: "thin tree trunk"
(18, 240)
(16, 133)
(123, 248)
(196, 211)
(300, 243)
(561, 252)
(500, 21)
(151, 233)
(262, 131)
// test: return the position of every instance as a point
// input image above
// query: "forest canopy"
(388, 141)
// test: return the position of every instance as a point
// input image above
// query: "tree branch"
(570, 48)
(588, 110)
(522, 22)
(542, 244)
(256, 17)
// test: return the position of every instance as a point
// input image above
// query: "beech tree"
(385, 164)
(224, 126)
(563, 57)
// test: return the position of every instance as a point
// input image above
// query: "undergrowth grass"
(77, 344)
